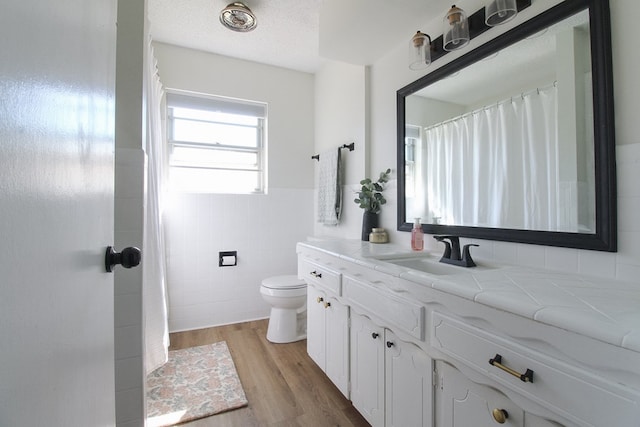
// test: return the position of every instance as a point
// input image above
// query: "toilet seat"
(288, 282)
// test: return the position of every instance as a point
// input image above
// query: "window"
(411, 150)
(216, 145)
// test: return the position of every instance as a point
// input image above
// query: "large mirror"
(514, 141)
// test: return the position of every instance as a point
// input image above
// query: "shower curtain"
(154, 292)
(497, 166)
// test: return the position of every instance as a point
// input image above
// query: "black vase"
(369, 222)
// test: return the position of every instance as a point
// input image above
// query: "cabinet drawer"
(319, 275)
(405, 314)
(575, 394)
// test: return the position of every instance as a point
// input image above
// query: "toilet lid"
(284, 282)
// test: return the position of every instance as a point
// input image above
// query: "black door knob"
(129, 257)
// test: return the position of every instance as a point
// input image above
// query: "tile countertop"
(604, 309)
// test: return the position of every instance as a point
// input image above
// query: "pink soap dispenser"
(417, 236)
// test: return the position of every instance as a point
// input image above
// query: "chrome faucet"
(452, 254)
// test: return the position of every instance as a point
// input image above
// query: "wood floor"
(283, 385)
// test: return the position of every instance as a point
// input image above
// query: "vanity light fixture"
(460, 29)
(420, 51)
(238, 17)
(500, 11)
(455, 29)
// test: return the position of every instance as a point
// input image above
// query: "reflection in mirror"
(504, 146)
(477, 156)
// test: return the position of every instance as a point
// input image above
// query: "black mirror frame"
(605, 236)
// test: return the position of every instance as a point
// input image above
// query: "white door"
(337, 344)
(316, 341)
(463, 403)
(367, 351)
(408, 384)
(57, 77)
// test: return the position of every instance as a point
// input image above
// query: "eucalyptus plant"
(370, 196)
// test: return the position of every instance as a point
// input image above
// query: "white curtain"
(497, 166)
(154, 292)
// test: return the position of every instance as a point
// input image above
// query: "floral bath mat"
(196, 382)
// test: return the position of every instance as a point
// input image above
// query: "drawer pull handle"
(374, 335)
(500, 415)
(390, 344)
(316, 274)
(327, 304)
(319, 300)
(527, 377)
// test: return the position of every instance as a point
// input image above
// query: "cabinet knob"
(319, 300)
(327, 304)
(375, 335)
(500, 415)
(316, 274)
(390, 344)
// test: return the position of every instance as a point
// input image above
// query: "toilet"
(287, 296)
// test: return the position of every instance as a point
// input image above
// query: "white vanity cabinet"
(327, 324)
(469, 349)
(391, 381)
(574, 393)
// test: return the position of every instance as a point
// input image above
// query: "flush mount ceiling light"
(238, 17)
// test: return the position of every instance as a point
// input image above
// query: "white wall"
(262, 228)
(390, 73)
(342, 118)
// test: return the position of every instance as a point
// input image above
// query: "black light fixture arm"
(477, 26)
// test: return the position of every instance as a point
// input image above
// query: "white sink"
(432, 265)
(429, 265)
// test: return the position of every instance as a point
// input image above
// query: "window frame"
(215, 103)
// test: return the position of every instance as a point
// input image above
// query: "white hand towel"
(330, 188)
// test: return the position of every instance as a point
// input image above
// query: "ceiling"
(295, 34)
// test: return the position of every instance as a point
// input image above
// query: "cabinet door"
(408, 384)
(316, 326)
(463, 403)
(337, 344)
(367, 369)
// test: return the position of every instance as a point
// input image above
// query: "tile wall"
(129, 217)
(264, 229)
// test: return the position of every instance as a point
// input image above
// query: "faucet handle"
(440, 238)
(447, 246)
(454, 253)
(466, 255)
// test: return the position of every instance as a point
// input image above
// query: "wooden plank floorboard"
(284, 387)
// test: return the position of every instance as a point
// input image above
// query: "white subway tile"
(128, 341)
(506, 252)
(628, 248)
(626, 272)
(128, 309)
(561, 259)
(628, 212)
(599, 264)
(129, 214)
(130, 405)
(128, 373)
(531, 255)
